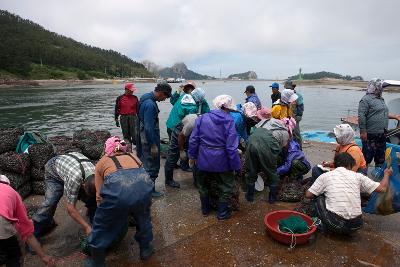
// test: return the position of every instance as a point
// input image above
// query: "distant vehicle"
(177, 80)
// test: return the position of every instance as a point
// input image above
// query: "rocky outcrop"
(250, 75)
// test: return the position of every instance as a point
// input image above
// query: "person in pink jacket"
(16, 228)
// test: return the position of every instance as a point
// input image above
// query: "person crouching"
(123, 187)
(213, 148)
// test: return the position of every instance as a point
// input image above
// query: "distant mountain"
(325, 74)
(27, 50)
(178, 70)
(250, 75)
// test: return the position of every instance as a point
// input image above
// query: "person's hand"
(326, 164)
(192, 162)
(250, 193)
(98, 199)
(48, 260)
(388, 171)
(180, 89)
(117, 123)
(88, 230)
(182, 155)
(363, 136)
(154, 151)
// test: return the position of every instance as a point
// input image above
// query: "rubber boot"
(273, 194)
(146, 252)
(205, 205)
(224, 212)
(98, 258)
(185, 166)
(155, 193)
(169, 179)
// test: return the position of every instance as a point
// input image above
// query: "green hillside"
(29, 51)
(325, 74)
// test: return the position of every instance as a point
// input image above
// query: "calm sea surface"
(62, 110)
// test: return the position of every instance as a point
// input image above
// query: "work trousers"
(10, 252)
(151, 165)
(173, 153)
(334, 223)
(374, 149)
(129, 126)
(225, 182)
(297, 132)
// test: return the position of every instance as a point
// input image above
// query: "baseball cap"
(130, 87)
(274, 86)
(250, 89)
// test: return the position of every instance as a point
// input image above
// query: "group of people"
(215, 144)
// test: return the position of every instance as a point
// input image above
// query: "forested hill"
(27, 50)
(325, 74)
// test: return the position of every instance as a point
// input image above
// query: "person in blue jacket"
(149, 131)
(295, 164)
(251, 96)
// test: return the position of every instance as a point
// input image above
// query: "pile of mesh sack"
(90, 142)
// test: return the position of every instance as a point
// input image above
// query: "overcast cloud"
(273, 38)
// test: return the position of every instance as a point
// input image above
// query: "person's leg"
(315, 173)
(151, 165)
(268, 162)
(204, 192)
(124, 122)
(144, 228)
(172, 159)
(297, 132)
(10, 252)
(297, 170)
(133, 120)
(226, 182)
(380, 148)
(368, 148)
(43, 219)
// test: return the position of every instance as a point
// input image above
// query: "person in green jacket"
(193, 103)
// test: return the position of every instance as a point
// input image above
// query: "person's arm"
(383, 185)
(35, 245)
(116, 109)
(363, 108)
(232, 143)
(205, 107)
(194, 141)
(317, 188)
(309, 194)
(174, 97)
(75, 214)
(99, 179)
(149, 123)
(394, 117)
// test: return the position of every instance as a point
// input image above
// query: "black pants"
(334, 223)
(129, 126)
(10, 252)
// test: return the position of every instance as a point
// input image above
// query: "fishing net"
(40, 154)
(293, 224)
(9, 138)
(291, 191)
(15, 162)
(17, 180)
(37, 174)
(38, 187)
(388, 202)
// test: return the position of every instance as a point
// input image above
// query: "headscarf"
(344, 134)
(279, 131)
(198, 95)
(249, 109)
(290, 124)
(288, 96)
(114, 144)
(225, 101)
(4, 179)
(264, 113)
(188, 99)
(375, 86)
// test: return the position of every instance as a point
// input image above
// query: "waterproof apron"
(123, 192)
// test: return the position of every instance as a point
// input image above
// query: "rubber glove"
(182, 155)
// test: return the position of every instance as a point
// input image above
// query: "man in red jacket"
(126, 109)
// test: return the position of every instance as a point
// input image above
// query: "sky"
(272, 38)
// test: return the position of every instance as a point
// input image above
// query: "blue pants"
(54, 191)
(122, 195)
(151, 165)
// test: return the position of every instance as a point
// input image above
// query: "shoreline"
(315, 84)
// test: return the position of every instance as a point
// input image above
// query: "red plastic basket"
(271, 222)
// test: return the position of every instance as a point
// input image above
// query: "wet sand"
(183, 237)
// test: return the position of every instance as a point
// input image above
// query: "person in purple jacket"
(295, 164)
(213, 148)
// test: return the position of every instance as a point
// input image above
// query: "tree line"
(325, 74)
(28, 50)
